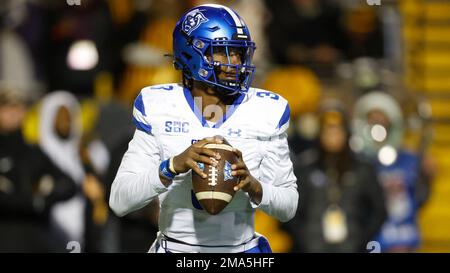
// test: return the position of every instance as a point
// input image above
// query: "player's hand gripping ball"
(215, 191)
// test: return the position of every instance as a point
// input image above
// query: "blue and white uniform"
(168, 122)
(399, 183)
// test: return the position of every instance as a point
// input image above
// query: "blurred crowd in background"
(69, 75)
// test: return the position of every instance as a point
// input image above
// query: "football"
(216, 191)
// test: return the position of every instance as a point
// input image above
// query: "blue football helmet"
(209, 29)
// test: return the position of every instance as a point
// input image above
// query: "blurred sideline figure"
(378, 124)
(30, 185)
(20, 26)
(60, 137)
(341, 206)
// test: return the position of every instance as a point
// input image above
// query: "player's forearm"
(279, 184)
(279, 202)
(132, 191)
(256, 196)
(137, 181)
(255, 191)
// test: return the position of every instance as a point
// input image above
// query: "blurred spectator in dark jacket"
(404, 175)
(341, 205)
(30, 186)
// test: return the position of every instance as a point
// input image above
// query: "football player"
(213, 49)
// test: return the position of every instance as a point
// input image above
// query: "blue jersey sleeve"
(284, 120)
(140, 115)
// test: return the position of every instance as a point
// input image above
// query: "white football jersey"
(168, 122)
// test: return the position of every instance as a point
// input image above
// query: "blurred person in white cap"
(378, 133)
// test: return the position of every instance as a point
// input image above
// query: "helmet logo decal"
(193, 20)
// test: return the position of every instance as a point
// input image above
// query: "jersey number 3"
(271, 95)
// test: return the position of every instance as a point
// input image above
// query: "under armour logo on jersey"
(193, 20)
(236, 133)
